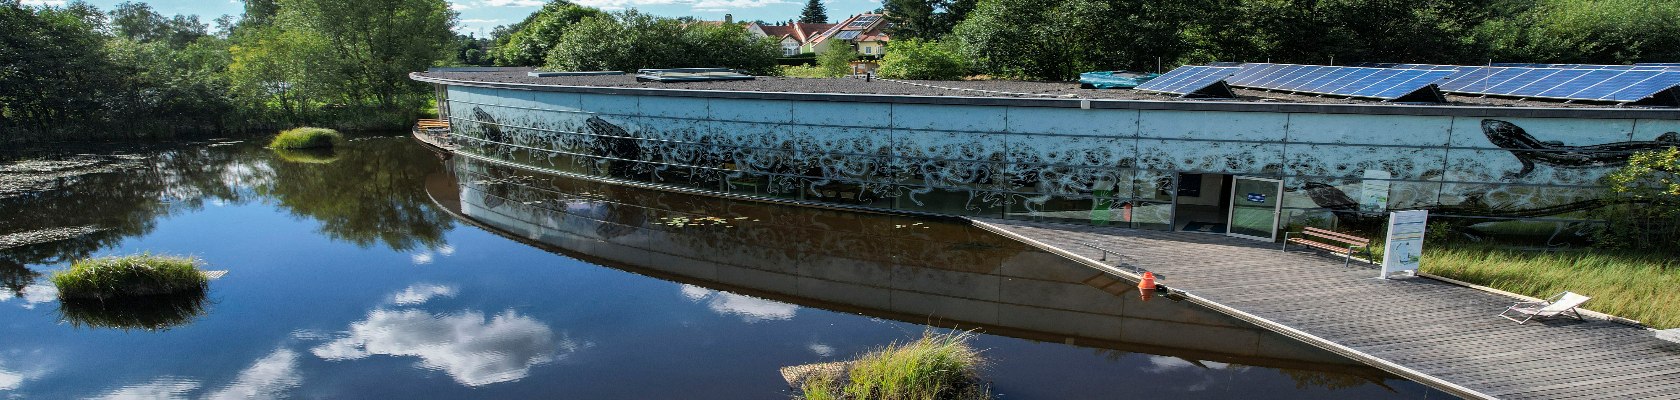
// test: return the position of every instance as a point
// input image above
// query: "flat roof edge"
(1107, 104)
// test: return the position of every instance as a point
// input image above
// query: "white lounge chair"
(1561, 304)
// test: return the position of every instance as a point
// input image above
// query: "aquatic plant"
(306, 138)
(936, 366)
(129, 276)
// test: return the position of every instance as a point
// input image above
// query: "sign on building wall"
(1373, 191)
(1405, 241)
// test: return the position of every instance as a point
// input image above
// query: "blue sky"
(479, 16)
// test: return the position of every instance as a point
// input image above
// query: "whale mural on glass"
(1530, 150)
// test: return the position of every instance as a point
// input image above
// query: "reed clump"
(130, 276)
(306, 138)
(1626, 284)
(936, 366)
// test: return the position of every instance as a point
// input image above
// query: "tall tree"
(814, 13)
(530, 40)
(914, 19)
(375, 43)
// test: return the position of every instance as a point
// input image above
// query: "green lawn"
(1636, 286)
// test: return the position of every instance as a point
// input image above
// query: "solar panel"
(1672, 65)
(1622, 84)
(847, 35)
(1379, 83)
(1193, 81)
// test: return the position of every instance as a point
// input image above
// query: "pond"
(383, 269)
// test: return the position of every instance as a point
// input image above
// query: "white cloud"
(421, 258)
(421, 292)
(459, 5)
(513, 3)
(472, 350)
(750, 309)
(158, 389)
(473, 21)
(10, 380)
(34, 294)
(447, 250)
(269, 377)
(53, 3)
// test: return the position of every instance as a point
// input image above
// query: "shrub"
(135, 275)
(918, 59)
(1650, 184)
(306, 138)
(937, 366)
(837, 61)
(804, 71)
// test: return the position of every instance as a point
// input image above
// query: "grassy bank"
(936, 366)
(1636, 286)
(136, 275)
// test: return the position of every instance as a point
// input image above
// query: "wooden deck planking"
(1437, 333)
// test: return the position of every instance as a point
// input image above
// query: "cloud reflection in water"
(473, 350)
(750, 309)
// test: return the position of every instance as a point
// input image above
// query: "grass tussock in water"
(306, 138)
(936, 366)
(1636, 286)
(128, 276)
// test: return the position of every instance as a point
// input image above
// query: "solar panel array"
(1376, 83)
(1620, 85)
(1192, 81)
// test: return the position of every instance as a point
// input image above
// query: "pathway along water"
(349, 280)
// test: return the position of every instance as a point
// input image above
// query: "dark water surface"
(382, 270)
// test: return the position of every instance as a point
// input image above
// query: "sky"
(479, 16)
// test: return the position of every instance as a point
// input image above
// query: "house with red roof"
(861, 32)
(792, 35)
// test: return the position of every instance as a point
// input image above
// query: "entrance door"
(1255, 203)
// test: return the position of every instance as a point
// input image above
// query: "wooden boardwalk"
(1440, 334)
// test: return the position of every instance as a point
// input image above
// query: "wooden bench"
(432, 124)
(1323, 238)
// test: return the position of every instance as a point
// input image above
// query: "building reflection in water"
(938, 272)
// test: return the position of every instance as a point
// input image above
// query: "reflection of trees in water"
(118, 204)
(146, 313)
(374, 193)
(14, 276)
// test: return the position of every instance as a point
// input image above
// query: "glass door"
(1255, 203)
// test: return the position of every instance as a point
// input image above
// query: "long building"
(1252, 166)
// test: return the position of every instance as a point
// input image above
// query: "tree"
(1593, 32)
(912, 19)
(836, 61)
(924, 19)
(814, 13)
(1649, 216)
(919, 59)
(53, 68)
(631, 40)
(374, 43)
(529, 41)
